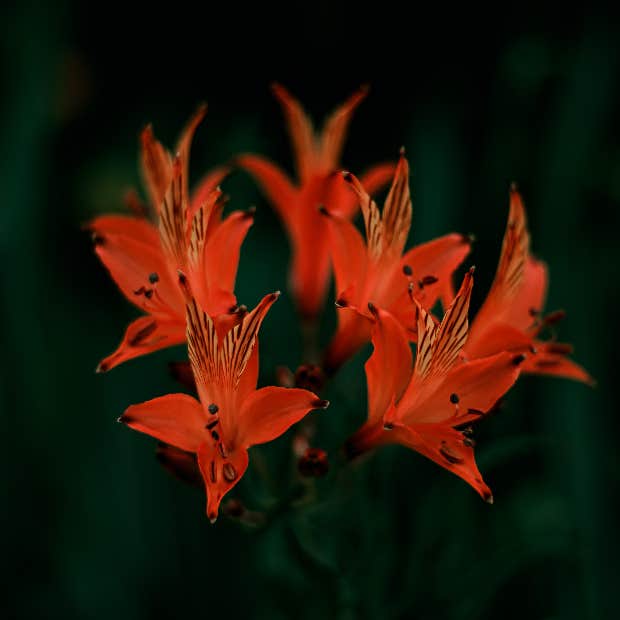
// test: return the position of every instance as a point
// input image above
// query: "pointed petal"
(270, 411)
(221, 259)
(274, 183)
(221, 469)
(335, 130)
(208, 184)
(131, 252)
(372, 216)
(444, 446)
(176, 419)
(300, 130)
(156, 168)
(397, 210)
(348, 254)
(388, 370)
(145, 335)
(548, 362)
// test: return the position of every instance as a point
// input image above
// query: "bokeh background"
(92, 526)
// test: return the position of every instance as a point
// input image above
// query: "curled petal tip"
(489, 499)
(469, 238)
(147, 133)
(212, 518)
(514, 188)
(276, 294)
(347, 176)
(364, 88)
(250, 212)
(122, 419)
(101, 368)
(320, 404)
(401, 151)
(472, 269)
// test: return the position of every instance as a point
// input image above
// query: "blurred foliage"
(92, 526)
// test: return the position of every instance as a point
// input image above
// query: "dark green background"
(92, 526)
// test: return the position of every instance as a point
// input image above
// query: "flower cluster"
(176, 259)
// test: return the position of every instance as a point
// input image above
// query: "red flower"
(511, 317)
(232, 414)
(186, 233)
(317, 157)
(378, 272)
(425, 407)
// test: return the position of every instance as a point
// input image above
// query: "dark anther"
(388, 426)
(143, 334)
(215, 435)
(533, 312)
(427, 280)
(211, 424)
(372, 308)
(182, 278)
(230, 473)
(213, 408)
(559, 348)
(449, 456)
(533, 349)
(468, 431)
(468, 442)
(518, 359)
(213, 472)
(153, 278)
(341, 302)
(313, 463)
(407, 270)
(323, 210)
(233, 309)
(140, 291)
(347, 176)
(454, 399)
(554, 317)
(222, 449)
(148, 293)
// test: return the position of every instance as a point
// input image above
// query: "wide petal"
(446, 447)
(280, 192)
(176, 419)
(388, 369)
(221, 469)
(270, 411)
(464, 394)
(145, 335)
(438, 259)
(130, 250)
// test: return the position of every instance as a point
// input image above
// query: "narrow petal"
(156, 168)
(335, 130)
(145, 335)
(275, 184)
(208, 184)
(397, 210)
(445, 446)
(221, 258)
(300, 130)
(348, 254)
(221, 469)
(388, 370)
(176, 419)
(270, 411)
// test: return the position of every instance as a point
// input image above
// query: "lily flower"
(427, 406)
(511, 317)
(376, 271)
(231, 415)
(143, 254)
(317, 158)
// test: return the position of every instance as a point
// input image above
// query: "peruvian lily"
(377, 272)
(317, 156)
(425, 406)
(232, 415)
(511, 317)
(142, 254)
